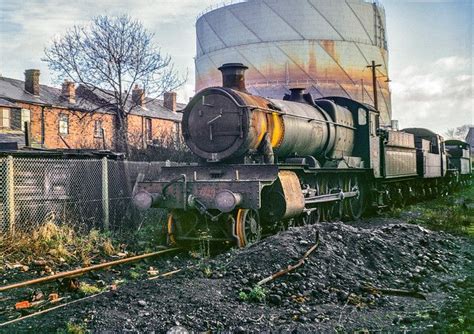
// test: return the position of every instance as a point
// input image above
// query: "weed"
(207, 271)
(134, 274)
(454, 213)
(204, 244)
(88, 289)
(57, 243)
(72, 328)
(150, 233)
(243, 296)
(257, 295)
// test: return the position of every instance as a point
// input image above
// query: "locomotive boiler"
(268, 164)
(227, 124)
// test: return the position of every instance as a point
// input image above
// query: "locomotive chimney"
(296, 95)
(233, 76)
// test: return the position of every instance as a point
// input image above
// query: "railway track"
(50, 304)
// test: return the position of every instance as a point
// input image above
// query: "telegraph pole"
(374, 82)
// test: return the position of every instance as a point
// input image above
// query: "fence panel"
(86, 193)
(57, 190)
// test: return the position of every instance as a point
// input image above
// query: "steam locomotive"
(268, 164)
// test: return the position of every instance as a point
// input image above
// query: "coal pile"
(381, 274)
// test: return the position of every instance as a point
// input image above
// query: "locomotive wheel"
(313, 218)
(336, 208)
(397, 200)
(181, 224)
(357, 204)
(404, 194)
(247, 227)
(305, 219)
(325, 209)
(391, 198)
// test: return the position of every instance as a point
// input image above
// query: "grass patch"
(72, 328)
(453, 213)
(134, 274)
(257, 295)
(57, 244)
(151, 232)
(88, 289)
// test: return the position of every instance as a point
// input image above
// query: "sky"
(430, 44)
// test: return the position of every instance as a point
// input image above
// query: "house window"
(148, 129)
(5, 118)
(63, 124)
(25, 117)
(98, 131)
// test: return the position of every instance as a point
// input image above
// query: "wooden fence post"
(10, 195)
(105, 194)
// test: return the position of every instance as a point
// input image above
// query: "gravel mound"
(351, 282)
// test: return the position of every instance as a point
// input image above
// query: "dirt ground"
(379, 274)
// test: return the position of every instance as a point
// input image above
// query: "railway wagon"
(267, 164)
(459, 159)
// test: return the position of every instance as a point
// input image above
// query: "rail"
(84, 270)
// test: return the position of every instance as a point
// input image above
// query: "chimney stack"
(169, 101)
(233, 76)
(32, 81)
(138, 96)
(68, 91)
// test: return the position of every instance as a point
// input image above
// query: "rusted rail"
(84, 270)
(48, 310)
(75, 301)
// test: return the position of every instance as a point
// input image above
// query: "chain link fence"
(90, 194)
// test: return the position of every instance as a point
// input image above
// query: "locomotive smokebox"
(233, 76)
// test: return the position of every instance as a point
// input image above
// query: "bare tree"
(109, 57)
(458, 133)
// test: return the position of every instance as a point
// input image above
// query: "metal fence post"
(105, 194)
(10, 195)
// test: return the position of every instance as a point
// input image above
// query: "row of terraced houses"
(75, 117)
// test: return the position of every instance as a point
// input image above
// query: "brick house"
(75, 117)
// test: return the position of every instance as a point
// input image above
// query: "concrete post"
(105, 194)
(10, 195)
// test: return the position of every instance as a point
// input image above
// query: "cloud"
(437, 95)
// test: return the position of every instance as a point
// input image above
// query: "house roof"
(6, 103)
(12, 90)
